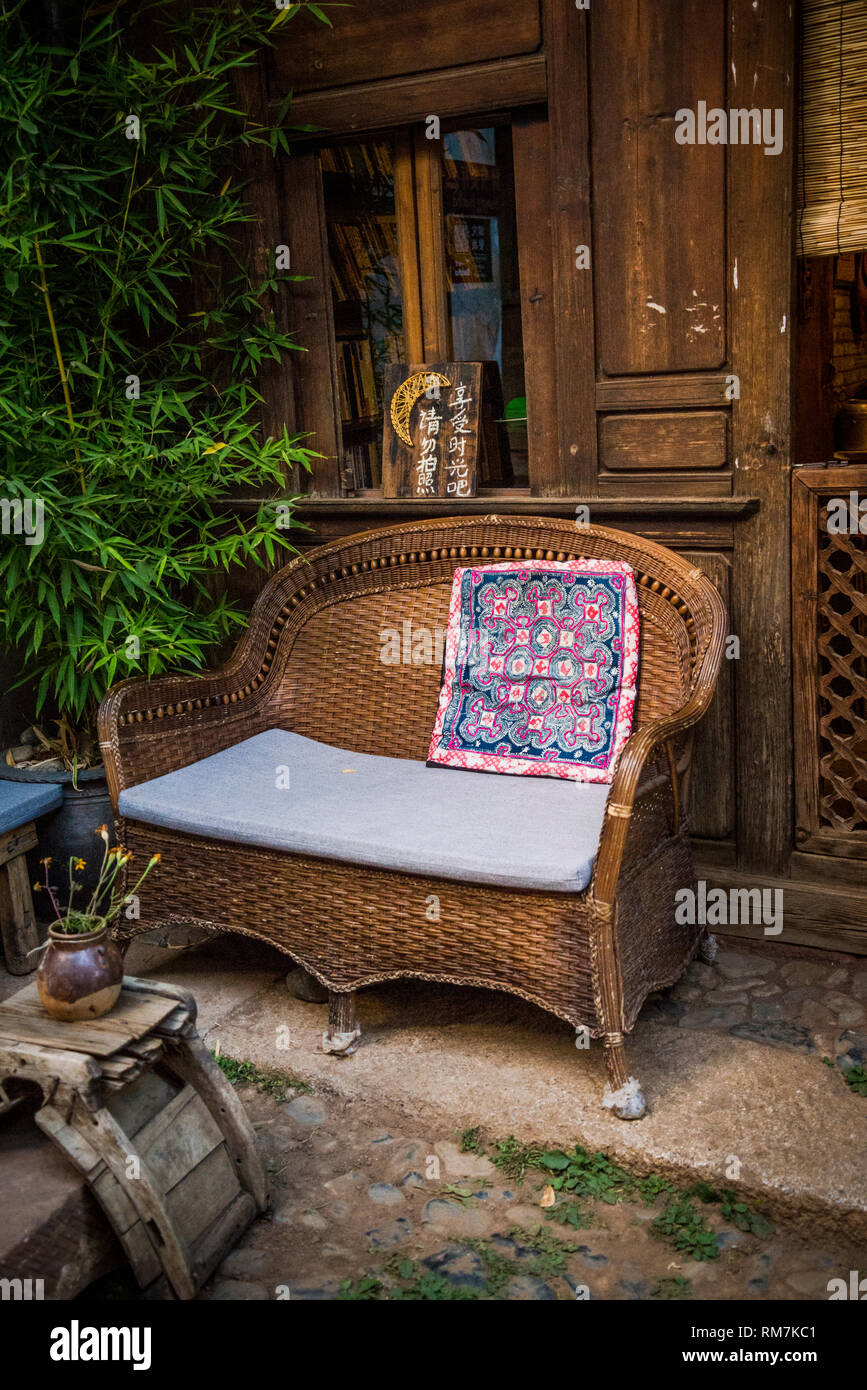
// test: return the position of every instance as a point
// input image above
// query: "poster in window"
(470, 249)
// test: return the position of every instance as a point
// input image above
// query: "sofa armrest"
(626, 788)
(150, 727)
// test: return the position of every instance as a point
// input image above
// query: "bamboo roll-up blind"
(832, 152)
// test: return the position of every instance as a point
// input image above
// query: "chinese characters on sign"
(434, 422)
(453, 405)
(426, 467)
(457, 470)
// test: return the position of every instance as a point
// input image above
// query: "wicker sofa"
(343, 871)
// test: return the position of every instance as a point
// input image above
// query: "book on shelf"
(362, 465)
(368, 159)
(356, 380)
(362, 250)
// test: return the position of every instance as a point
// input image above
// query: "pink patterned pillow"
(540, 671)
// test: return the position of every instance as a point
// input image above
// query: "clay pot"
(80, 976)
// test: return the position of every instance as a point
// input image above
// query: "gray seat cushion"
(518, 832)
(21, 802)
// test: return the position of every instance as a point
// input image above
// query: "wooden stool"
(20, 802)
(139, 1106)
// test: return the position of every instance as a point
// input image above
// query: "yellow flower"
(46, 862)
(103, 831)
(37, 887)
(156, 858)
(79, 864)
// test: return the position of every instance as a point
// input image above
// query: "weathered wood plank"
(193, 1063)
(76, 1146)
(670, 484)
(762, 46)
(17, 841)
(817, 914)
(36, 1062)
(847, 844)
(211, 1187)
(210, 1246)
(121, 1158)
(132, 984)
(378, 40)
(655, 392)
(404, 210)
(497, 86)
(262, 235)
(20, 930)
(178, 1139)
(572, 467)
(433, 279)
(23, 1017)
(314, 371)
(120, 1210)
(659, 206)
(518, 501)
(139, 1102)
(108, 1190)
(676, 439)
(143, 1258)
(816, 868)
(531, 144)
(814, 403)
(712, 794)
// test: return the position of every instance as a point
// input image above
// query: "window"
(422, 247)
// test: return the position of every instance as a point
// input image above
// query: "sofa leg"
(708, 948)
(343, 1031)
(622, 1094)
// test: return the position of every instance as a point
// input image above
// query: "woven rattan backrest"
(354, 650)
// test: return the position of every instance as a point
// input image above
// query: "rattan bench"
(311, 663)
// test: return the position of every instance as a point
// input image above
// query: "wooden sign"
(434, 429)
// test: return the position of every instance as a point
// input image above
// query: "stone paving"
(415, 1217)
(802, 1003)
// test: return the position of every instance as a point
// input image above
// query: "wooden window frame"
(418, 197)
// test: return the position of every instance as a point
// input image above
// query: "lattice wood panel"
(830, 648)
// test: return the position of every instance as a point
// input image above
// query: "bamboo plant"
(132, 338)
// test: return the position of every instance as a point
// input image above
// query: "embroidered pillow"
(540, 669)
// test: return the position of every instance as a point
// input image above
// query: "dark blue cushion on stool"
(21, 802)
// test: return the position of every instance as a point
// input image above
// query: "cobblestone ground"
(366, 1203)
(807, 1004)
(384, 1228)
(362, 1207)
